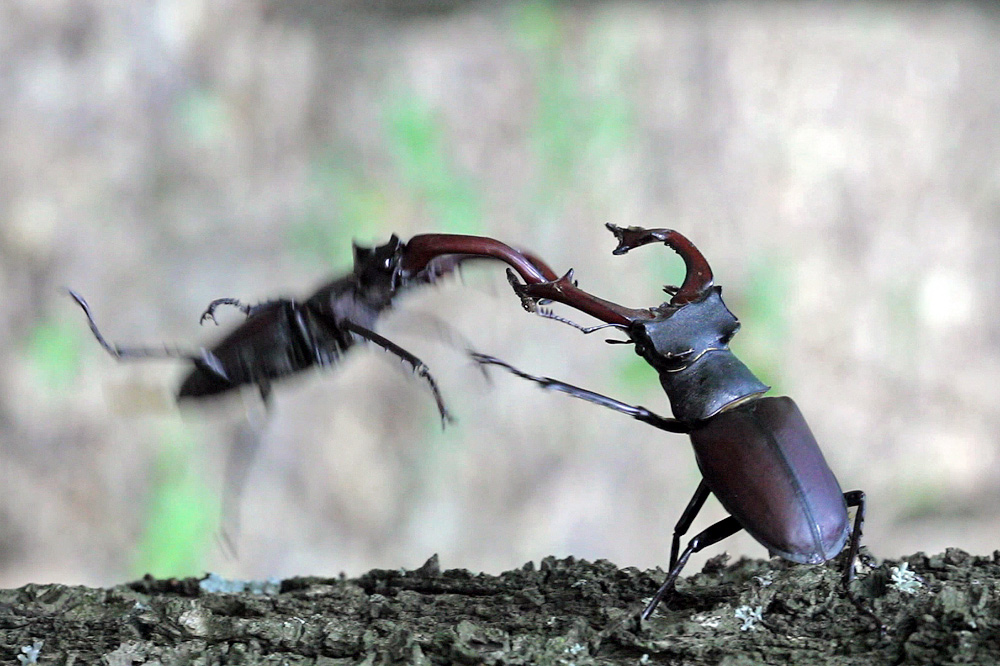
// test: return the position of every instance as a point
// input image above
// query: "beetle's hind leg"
(856, 498)
(202, 358)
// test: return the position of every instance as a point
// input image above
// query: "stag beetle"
(283, 336)
(756, 454)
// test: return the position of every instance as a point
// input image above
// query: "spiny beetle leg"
(723, 529)
(701, 494)
(418, 366)
(209, 312)
(856, 498)
(242, 452)
(636, 412)
(203, 358)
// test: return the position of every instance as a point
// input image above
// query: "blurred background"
(839, 166)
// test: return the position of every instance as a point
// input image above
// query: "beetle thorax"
(689, 347)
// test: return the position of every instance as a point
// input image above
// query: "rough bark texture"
(561, 612)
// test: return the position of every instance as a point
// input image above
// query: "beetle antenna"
(549, 314)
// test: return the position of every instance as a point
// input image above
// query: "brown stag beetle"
(284, 336)
(756, 454)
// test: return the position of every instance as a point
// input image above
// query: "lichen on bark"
(564, 611)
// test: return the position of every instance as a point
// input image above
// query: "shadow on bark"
(938, 609)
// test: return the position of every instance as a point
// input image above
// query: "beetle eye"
(729, 332)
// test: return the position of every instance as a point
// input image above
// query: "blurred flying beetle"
(756, 454)
(283, 336)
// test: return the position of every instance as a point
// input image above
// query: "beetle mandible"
(756, 454)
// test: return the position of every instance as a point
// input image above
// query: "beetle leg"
(856, 498)
(245, 308)
(244, 447)
(239, 461)
(418, 366)
(712, 535)
(701, 494)
(209, 312)
(203, 359)
(637, 412)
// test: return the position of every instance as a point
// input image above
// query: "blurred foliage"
(582, 111)
(203, 115)
(920, 498)
(54, 352)
(902, 305)
(181, 515)
(763, 315)
(418, 143)
(583, 115)
(344, 204)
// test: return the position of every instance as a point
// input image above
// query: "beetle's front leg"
(637, 412)
(418, 366)
(209, 312)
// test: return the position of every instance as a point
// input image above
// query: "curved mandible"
(423, 250)
(697, 280)
(540, 282)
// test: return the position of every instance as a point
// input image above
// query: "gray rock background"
(838, 165)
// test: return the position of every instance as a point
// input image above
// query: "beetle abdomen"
(269, 345)
(763, 463)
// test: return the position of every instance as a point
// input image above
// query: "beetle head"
(677, 336)
(376, 270)
(685, 339)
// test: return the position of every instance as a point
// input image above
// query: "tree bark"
(562, 612)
